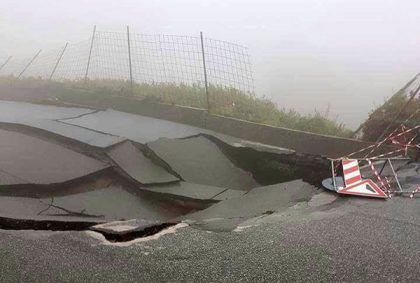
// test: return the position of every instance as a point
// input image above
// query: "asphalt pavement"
(323, 240)
(283, 232)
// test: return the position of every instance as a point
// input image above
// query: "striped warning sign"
(365, 188)
(354, 185)
(351, 172)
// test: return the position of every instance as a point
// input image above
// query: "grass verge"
(224, 101)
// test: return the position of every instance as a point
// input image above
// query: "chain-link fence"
(174, 68)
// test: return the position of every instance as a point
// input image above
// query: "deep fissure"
(136, 234)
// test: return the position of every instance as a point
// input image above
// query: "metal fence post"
(5, 63)
(30, 62)
(58, 61)
(90, 53)
(205, 72)
(162, 57)
(129, 60)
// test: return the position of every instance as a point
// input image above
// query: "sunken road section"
(198, 160)
(28, 160)
(142, 169)
(73, 168)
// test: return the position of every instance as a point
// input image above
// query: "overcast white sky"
(306, 53)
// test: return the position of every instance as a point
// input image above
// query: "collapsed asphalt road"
(143, 199)
(115, 167)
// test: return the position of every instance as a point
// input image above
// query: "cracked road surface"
(349, 239)
(282, 231)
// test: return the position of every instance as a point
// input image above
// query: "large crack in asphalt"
(270, 168)
(266, 167)
(63, 141)
(66, 226)
(79, 116)
(131, 235)
(86, 128)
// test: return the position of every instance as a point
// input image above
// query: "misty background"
(348, 54)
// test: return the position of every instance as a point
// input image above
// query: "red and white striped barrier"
(355, 185)
(384, 186)
(392, 136)
(351, 172)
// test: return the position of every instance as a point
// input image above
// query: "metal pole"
(30, 62)
(58, 61)
(163, 58)
(395, 174)
(383, 166)
(333, 175)
(90, 53)
(205, 72)
(5, 63)
(380, 158)
(129, 60)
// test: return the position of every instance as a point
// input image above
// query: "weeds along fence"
(190, 70)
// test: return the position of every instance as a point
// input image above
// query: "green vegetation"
(381, 117)
(223, 101)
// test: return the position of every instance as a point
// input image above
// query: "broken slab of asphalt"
(274, 166)
(226, 215)
(166, 173)
(346, 241)
(124, 231)
(108, 204)
(92, 126)
(145, 182)
(351, 242)
(139, 167)
(198, 160)
(11, 111)
(29, 160)
(222, 216)
(92, 123)
(195, 191)
(86, 136)
(134, 127)
(45, 117)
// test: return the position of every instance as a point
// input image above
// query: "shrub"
(380, 118)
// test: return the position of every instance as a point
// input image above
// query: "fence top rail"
(153, 58)
(197, 37)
